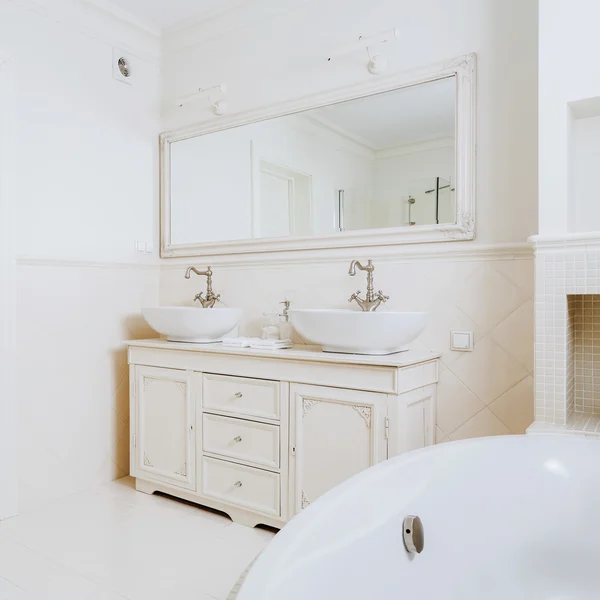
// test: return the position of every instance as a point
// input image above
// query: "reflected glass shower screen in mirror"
(383, 161)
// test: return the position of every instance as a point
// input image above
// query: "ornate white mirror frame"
(463, 67)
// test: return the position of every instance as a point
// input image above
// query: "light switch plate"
(461, 341)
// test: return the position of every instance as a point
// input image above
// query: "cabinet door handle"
(238, 484)
(238, 394)
(237, 438)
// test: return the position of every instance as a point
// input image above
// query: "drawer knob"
(238, 484)
(237, 438)
(238, 394)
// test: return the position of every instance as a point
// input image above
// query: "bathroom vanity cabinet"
(260, 434)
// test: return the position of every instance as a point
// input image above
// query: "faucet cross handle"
(382, 296)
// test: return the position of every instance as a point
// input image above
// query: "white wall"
(569, 71)
(287, 61)
(487, 289)
(584, 201)
(85, 159)
(8, 440)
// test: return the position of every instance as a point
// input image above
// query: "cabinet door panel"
(412, 420)
(165, 438)
(338, 433)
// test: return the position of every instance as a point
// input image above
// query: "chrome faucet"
(372, 301)
(211, 298)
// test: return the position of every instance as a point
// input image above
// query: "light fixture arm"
(219, 105)
(377, 62)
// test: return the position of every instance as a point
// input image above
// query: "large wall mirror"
(389, 162)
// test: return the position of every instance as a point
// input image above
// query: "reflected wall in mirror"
(382, 162)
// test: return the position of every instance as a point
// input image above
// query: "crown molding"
(104, 20)
(218, 22)
(432, 252)
(382, 153)
(126, 16)
(305, 121)
(413, 148)
(211, 14)
(342, 131)
(92, 19)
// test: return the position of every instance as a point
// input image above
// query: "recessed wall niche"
(583, 348)
(584, 158)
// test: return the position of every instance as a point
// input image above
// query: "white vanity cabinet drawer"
(241, 396)
(249, 441)
(253, 489)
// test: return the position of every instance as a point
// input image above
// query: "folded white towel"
(257, 343)
(237, 342)
(262, 342)
(270, 344)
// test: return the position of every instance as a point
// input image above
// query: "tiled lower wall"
(567, 332)
(485, 392)
(72, 365)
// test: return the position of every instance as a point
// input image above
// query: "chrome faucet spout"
(190, 270)
(355, 263)
(211, 298)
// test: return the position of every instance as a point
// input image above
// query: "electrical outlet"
(461, 341)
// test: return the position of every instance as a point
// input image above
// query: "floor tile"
(114, 543)
(10, 591)
(39, 577)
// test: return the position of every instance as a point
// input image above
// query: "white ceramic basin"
(191, 324)
(357, 332)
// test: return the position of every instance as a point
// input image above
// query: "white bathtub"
(505, 518)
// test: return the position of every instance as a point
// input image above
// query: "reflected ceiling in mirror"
(383, 161)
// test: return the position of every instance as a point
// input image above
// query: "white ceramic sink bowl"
(357, 332)
(191, 324)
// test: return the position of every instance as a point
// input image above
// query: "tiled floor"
(113, 543)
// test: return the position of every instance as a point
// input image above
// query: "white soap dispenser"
(286, 329)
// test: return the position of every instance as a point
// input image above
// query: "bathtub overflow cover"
(414, 537)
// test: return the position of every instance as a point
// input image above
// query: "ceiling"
(406, 116)
(162, 14)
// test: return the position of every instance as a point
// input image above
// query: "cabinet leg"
(243, 518)
(144, 486)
